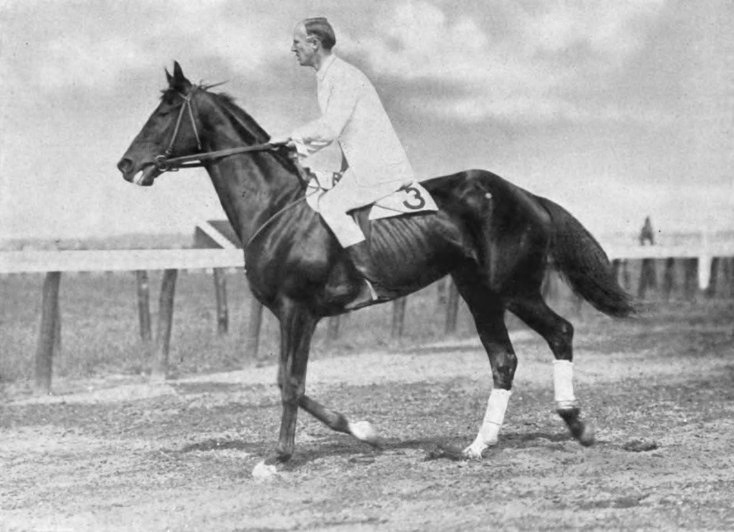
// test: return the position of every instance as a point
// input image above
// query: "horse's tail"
(584, 264)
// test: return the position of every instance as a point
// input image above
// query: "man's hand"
(281, 141)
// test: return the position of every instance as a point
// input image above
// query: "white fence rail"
(118, 260)
(163, 259)
(664, 252)
(704, 252)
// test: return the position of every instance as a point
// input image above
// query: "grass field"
(100, 331)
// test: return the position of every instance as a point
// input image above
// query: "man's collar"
(321, 72)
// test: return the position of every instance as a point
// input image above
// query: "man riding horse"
(353, 116)
(495, 239)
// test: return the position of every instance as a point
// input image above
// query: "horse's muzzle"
(143, 177)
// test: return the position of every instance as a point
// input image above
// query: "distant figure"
(646, 233)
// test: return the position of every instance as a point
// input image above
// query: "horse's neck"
(251, 186)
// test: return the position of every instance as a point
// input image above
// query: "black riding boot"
(362, 260)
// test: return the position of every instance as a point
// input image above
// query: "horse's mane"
(247, 125)
(251, 131)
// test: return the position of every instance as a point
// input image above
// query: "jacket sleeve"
(341, 102)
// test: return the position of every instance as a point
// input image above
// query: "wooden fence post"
(616, 268)
(159, 372)
(669, 278)
(332, 328)
(50, 327)
(57, 330)
(690, 283)
(626, 283)
(144, 305)
(647, 277)
(252, 343)
(398, 317)
(712, 289)
(577, 302)
(441, 290)
(452, 308)
(220, 289)
(550, 287)
(728, 275)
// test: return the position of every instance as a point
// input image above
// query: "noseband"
(164, 162)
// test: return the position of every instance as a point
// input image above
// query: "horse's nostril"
(124, 165)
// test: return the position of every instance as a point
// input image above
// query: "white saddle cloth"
(408, 200)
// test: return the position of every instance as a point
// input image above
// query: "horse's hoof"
(587, 437)
(581, 431)
(474, 452)
(364, 431)
(264, 471)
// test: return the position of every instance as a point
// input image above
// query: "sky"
(616, 110)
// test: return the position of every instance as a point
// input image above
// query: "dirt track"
(179, 456)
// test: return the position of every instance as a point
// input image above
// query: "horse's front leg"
(488, 312)
(296, 329)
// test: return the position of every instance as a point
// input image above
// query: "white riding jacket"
(352, 114)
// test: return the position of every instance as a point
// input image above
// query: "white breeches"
(346, 196)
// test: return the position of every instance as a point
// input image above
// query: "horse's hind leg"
(559, 335)
(488, 312)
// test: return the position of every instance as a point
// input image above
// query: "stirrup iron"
(373, 293)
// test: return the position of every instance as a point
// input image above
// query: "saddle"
(408, 199)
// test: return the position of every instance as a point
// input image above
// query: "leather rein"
(165, 163)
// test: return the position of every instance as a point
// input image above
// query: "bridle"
(164, 162)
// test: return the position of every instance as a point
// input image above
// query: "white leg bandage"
(563, 384)
(493, 418)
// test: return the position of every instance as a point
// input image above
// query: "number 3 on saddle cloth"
(409, 199)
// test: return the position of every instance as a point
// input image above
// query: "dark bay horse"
(495, 239)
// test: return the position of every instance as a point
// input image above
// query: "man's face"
(304, 49)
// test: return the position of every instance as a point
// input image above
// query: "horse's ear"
(178, 81)
(169, 77)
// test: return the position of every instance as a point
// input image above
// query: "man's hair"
(320, 28)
